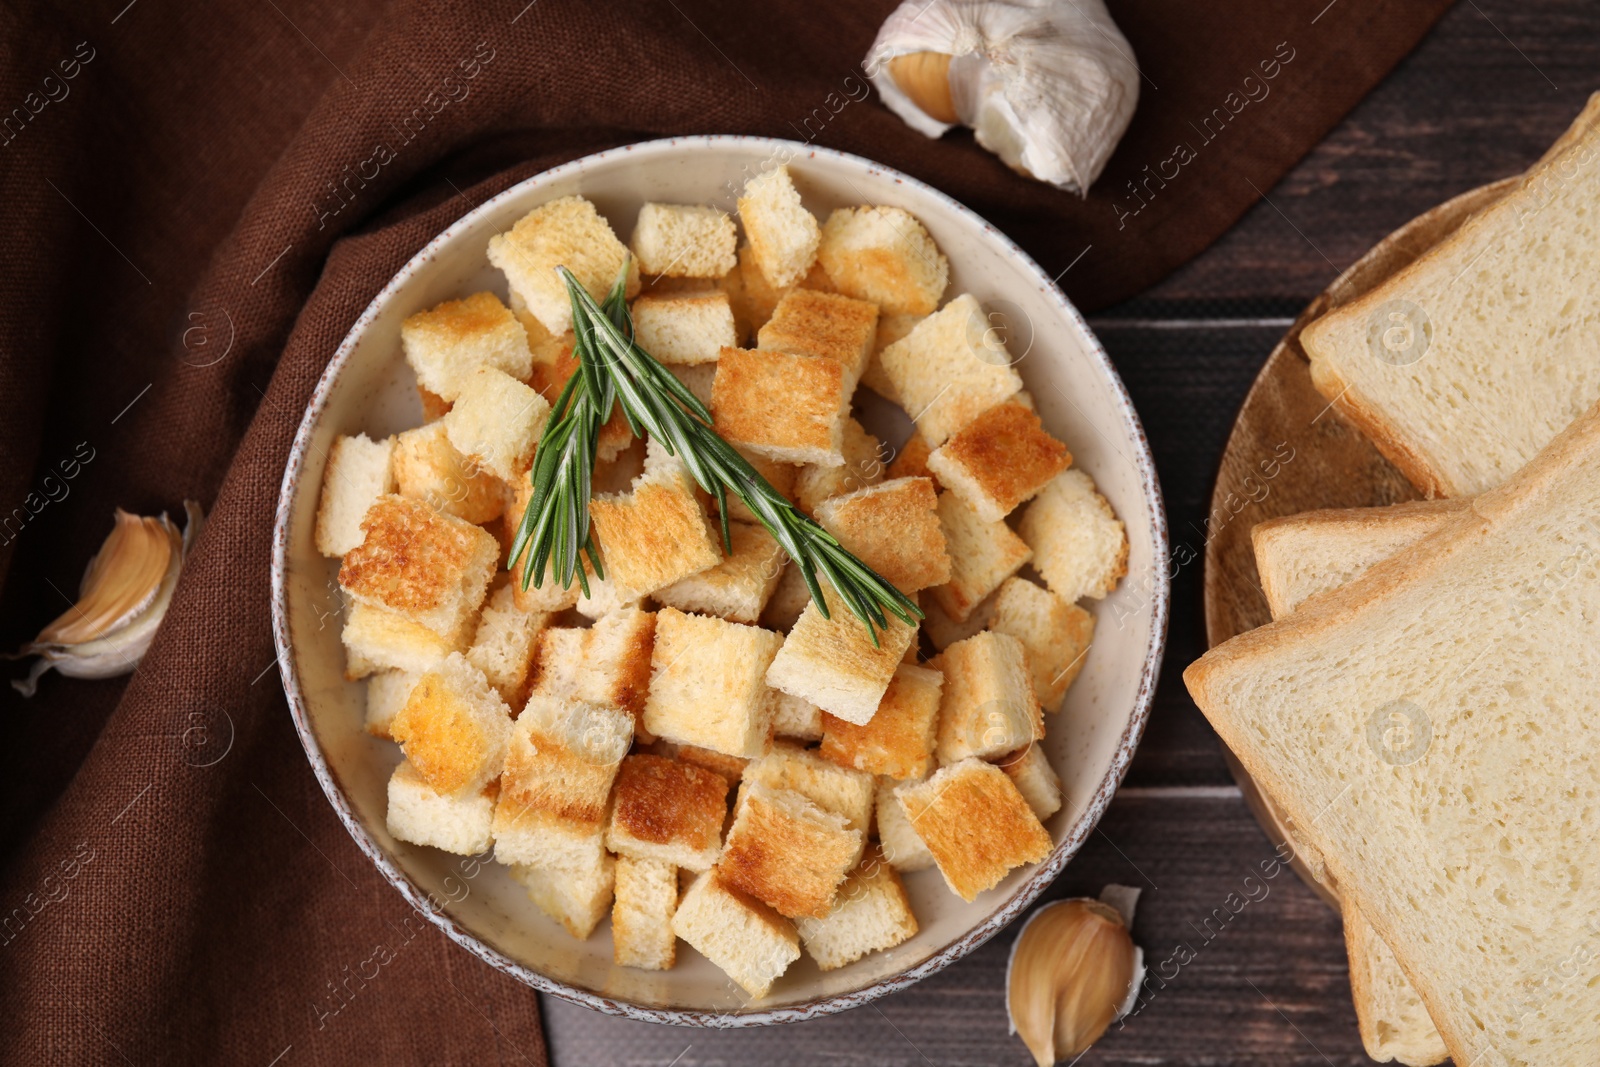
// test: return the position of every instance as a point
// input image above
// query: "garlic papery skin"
(122, 599)
(1047, 85)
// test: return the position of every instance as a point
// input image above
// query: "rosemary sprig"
(613, 369)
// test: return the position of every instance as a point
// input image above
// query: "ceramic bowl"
(368, 387)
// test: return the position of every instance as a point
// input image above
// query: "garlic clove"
(925, 78)
(1071, 971)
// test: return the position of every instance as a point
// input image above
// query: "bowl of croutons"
(720, 581)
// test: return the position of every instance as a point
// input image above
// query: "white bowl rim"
(1024, 895)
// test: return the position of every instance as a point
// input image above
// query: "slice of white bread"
(1464, 364)
(684, 241)
(1394, 1022)
(749, 941)
(1429, 726)
(783, 234)
(871, 913)
(359, 471)
(641, 918)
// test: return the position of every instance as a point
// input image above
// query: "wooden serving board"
(1291, 451)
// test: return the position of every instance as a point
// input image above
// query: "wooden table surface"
(1482, 97)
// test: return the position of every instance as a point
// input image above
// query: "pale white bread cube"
(454, 729)
(871, 913)
(999, 459)
(893, 528)
(656, 533)
(445, 344)
(667, 810)
(987, 708)
(684, 241)
(824, 325)
(497, 421)
(738, 587)
(883, 254)
(641, 917)
(833, 787)
(787, 851)
(359, 472)
(863, 466)
(576, 897)
(1078, 543)
(684, 329)
(1037, 781)
(788, 600)
(607, 597)
(748, 941)
(698, 379)
(794, 718)
(975, 822)
(607, 663)
(545, 345)
(982, 556)
(944, 631)
(783, 235)
(706, 685)
(1054, 632)
(570, 233)
(833, 663)
(891, 328)
(421, 815)
(503, 646)
(950, 369)
(376, 639)
(899, 740)
(427, 467)
(387, 693)
(561, 759)
(898, 838)
(787, 407)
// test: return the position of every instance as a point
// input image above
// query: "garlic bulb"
(1047, 85)
(121, 601)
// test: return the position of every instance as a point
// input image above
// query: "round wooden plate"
(1291, 451)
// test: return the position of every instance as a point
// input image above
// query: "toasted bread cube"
(569, 233)
(606, 664)
(445, 344)
(430, 568)
(359, 472)
(738, 587)
(894, 529)
(706, 685)
(883, 254)
(421, 815)
(504, 644)
(998, 460)
(755, 299)
(988, 707)
(577, 898)
(387, 693)
(982, 555)
(641, 918)
(668, 811)
(698, 379)
(950, 369)
(788, 601)
(540, 340)
(731, 768)
(781, 476)
(427, 467)
(497, 421)
(1078, 542)
(685, 329)
(899, 740)
(1055, 634)
(898, 838)
(1035, 779)
(379, 640)
(912, 459)
(786, 407)
(870, 914)
(783, 234)
(561, 760)
(752, 944)
(891, 328)
(863, 466)
(454, 729)
(793, 717)
(657, 532)
(944, 631)
(825, 783)
(833, 663)
(826, 325)
(680, 241)
(787, 852)
(606, 597)
(975, 823)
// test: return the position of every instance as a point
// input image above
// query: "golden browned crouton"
(668, 811)
(788, 852)
(894, 529)
(975, 823)
(998, 460)
(899, 740)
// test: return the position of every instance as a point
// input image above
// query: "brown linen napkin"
(199, 201)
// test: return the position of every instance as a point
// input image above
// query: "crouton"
(998, 460)
(430, 568)
(898, 742)
(504, 644)
(1029, 769)
(657, 532)
(668, 811)
(607, 597)
(497, 421)
(1055, 634)
(454, 729)
(445, 344)
(870, 913)
(560, 762)
(982, 555)
(641, 918)
(706, 683)
(680, 241)
(387, 693)
(833, 663)
(421, 815)
(827, 784)
(376, 640)
(883, 254)
(359, 471)
(684, 329)
(427, 467)
(795, 718)
(731, 768)
(787, 852)
(787, 601)
(698, 379)
(783, 234)
(891, 328)
(894, 529)
(736, 588)
(950, 369)
(944, 631)
(576, 897)
(434, 406)
(988, 707)
(825, 325)
(901, 846)
(569, 233)
(863, 466)
(751, 943)
(786, 407)
(1078, 543)
(912, 459)
(975, 823)
(606, 664)
(540, 340)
